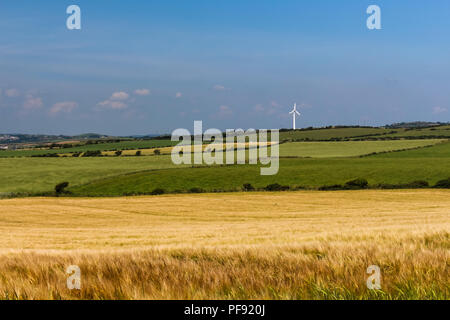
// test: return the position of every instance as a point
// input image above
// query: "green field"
(365, 133)
(123, 145)
(332, 133)
(349, 148)
(41, 174)
(441, 131)
(429, 164)
(305, 164)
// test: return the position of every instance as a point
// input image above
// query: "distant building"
(3, 147)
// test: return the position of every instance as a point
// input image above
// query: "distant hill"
(16, 138)
(415, 124)
(91, 136)
(318, 134)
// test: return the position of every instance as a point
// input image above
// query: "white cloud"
(12, 93)
(438, 110)
(32, 102)
(272, 111)
(115, 102)
(121, 95)
(178, 95)
(258, 108)
(115, 105)
(224, 111)
(275, 104)
(219, 87)
(142, 92)
(66, 106)
(304, 106)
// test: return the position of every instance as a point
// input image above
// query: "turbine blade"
(298, 113)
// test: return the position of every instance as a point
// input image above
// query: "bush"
(92, 153)
(248, 187)
(196, 190)
(412, 185)
(118, 153)
(276, 187)
(138, 153)
(417, 184)
(443, 184)
(59, 188)
(158, 191)
(387, 186)
(332, 187)
(157, 152)
(47, 155)
(356, 184)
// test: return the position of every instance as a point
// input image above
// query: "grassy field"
(349, 148)
(333, 133)
(297, 245)
(123, 145)
(321, 149)
(366, 133)
(325, 134)
(41, 174)
(430, 164)
(440, 131)
(206, 147)
(107, 174)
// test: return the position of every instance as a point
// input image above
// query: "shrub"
(47, 155)
(412, 185)
(356, 184)
(158, 191)
(92, 153)
(276, 187)
(332, 187)
(248, 187)
(417, 184)
(138, 153)
(157, 152)
(118, 153)
(59, 188)
(387, 186)
(196, 190)
(443, 184)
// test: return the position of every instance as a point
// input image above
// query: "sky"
(140, 67)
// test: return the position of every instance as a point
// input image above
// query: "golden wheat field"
(292, 245)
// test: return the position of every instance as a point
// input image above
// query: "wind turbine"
(294, 114)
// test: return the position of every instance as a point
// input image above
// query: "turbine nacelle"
(295, 110)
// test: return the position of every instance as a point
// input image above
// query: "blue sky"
(139, 67)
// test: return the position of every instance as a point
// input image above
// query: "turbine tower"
(294, 114)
